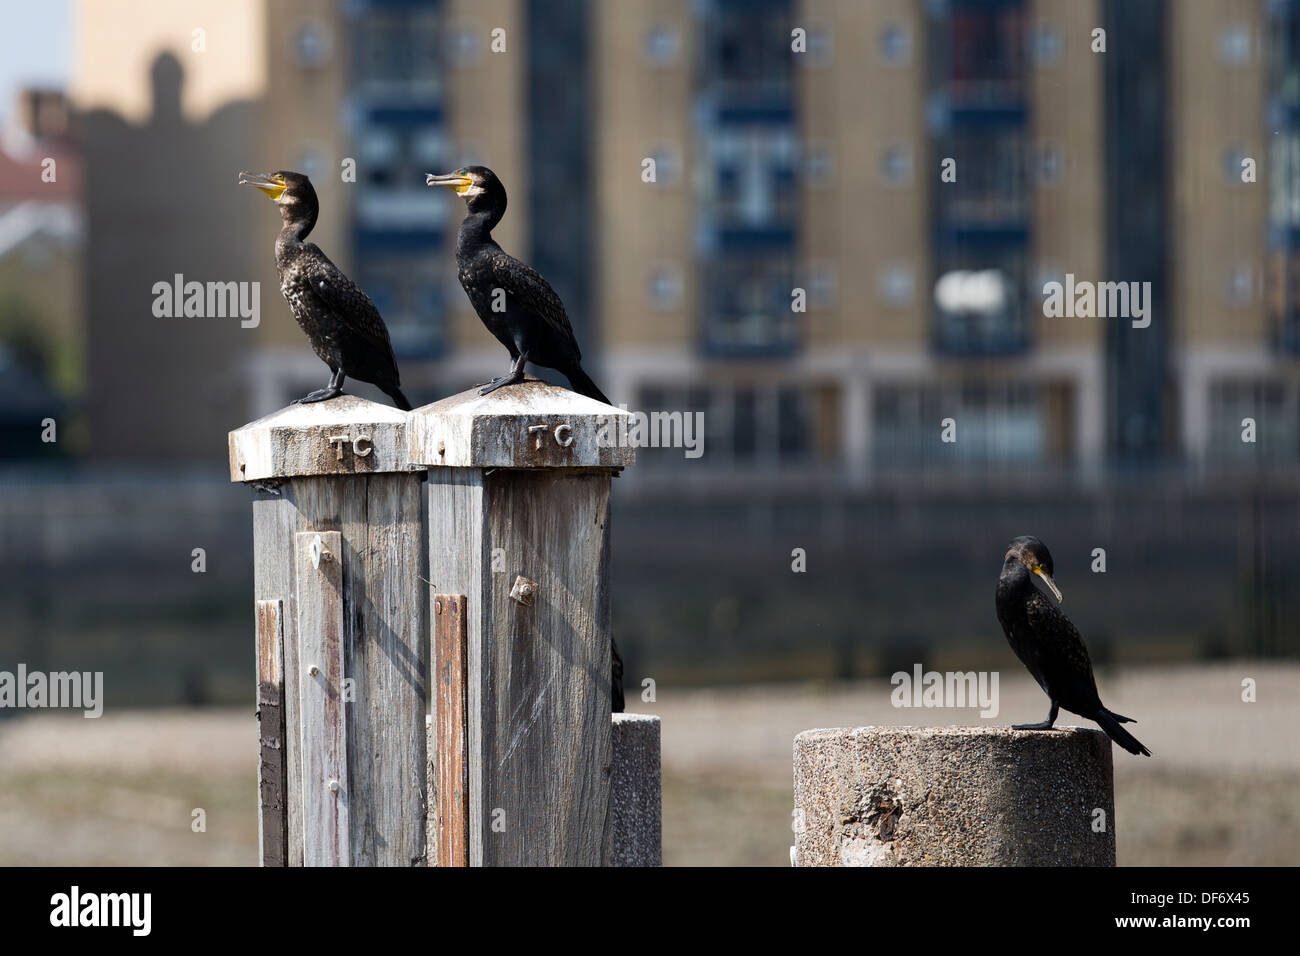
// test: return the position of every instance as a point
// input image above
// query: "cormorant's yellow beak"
(1051, 585)
(273, 185)
(457, 182)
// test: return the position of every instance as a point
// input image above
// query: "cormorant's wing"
(1062, 655)
(525, 287)
(345, 299)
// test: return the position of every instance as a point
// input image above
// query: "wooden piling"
(339, 550)
(518, 522)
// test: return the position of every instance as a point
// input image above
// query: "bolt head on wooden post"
(339, 582)
(518, 520)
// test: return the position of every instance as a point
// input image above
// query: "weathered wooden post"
(953, 796)
(341, 633)
(518, 521)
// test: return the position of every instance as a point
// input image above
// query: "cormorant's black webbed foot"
(1041, 725)
(512, 377)
(332, 390)
(320, 395)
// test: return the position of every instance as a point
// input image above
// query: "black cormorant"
(516, 304)
(344, 326)
(616, 703)
(1049, 645)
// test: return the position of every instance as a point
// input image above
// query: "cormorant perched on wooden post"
(516, 304)
(1049, 645)
(344, 326)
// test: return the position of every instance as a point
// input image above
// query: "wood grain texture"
(538, 676)
(385, 652)
(275, 519)
(272, 823)
(458, 562)
(542, 671)
(323, 717)
(449, 659)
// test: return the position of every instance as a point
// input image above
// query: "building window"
(775, 426)
(819, 165)
(821, 285)
(747, 298)
(898, 285)
(668, 164)
(896, 164)
(745, 54)
(1235, 44)
(1050, 166)
(997, 424)
(895, 45)
(664, 289)
(820, 45)
(986, 56)
(396, 52)
(1272, 405)
(1047, 45)
(1239, 285)
(662, 45)
(311, 44)
(979, 311)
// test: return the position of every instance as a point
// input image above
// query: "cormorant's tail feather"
(1111, 724)
(398, 398)
(1121, 718)
(583, 385)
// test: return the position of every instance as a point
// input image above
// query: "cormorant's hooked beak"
(273, 185)
(1051, 585)
(458, 183)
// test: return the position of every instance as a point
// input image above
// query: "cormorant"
(616, 679)
(529, 320)
(1049, 645)
(344, 326)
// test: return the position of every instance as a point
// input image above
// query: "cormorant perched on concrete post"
(344, 326)
(1049, 645)
(516, 304)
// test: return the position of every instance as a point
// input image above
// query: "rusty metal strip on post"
(450, 649)
(323, 731)
(272, 773)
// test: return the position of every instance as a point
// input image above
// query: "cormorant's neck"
(477, 227)
(1014, 579)
(298, 221)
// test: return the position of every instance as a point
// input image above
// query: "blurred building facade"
(826, 224)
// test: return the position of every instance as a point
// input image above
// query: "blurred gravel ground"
(1222, 788)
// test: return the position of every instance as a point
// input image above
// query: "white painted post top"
(528, 425)
(343, 436)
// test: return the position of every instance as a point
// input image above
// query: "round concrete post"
(953, 796)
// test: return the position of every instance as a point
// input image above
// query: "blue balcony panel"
(746, 238)
(401, 115)
(400, 240)
(755, 114)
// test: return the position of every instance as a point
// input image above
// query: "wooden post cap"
(528, 425)
(343, 436)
